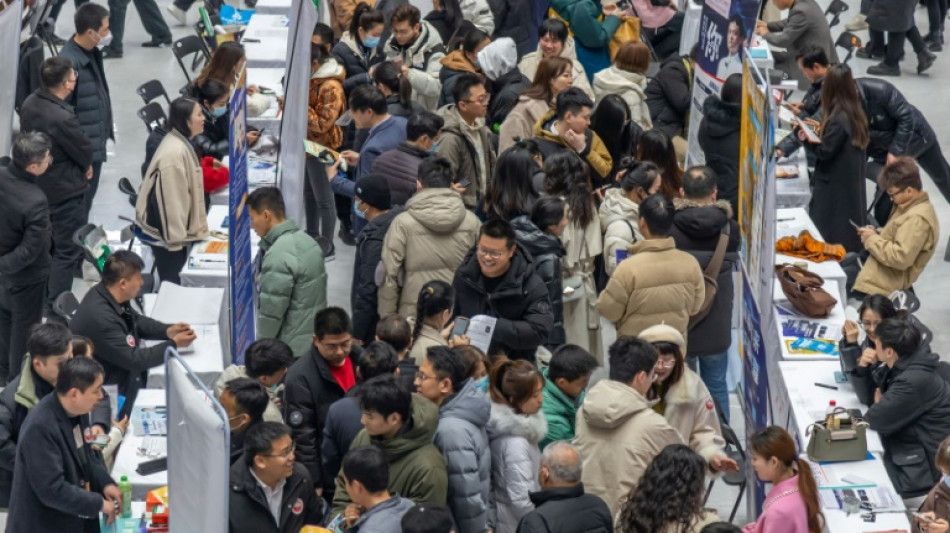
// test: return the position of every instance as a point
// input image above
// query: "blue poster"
(755, 379)
(239, 229)
(725, 32)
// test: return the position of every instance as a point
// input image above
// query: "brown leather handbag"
(804, 292)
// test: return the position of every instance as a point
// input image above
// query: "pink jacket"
(783, 511)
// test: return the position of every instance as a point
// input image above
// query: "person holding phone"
(434, 326)
(934, 513)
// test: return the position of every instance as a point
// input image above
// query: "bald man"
(562, 506)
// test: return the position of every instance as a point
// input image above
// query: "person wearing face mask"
(859, 359)
(434, 320)
(213, 96)
(358, 47)
(937, 505)
(400, 165)
(90, 97)
(461, 61)
(620, 210)
(267, 361)
(170, 210)
(245, 401)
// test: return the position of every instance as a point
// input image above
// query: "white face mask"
(104, 41)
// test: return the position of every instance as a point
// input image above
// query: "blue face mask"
(274, 387)
(371, 42)
(219, 111)
(946, 480)
(482, 383)
(435, 145)
(357, 211)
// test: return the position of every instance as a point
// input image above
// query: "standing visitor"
(620, 210)
(552, 76)
(627, 77)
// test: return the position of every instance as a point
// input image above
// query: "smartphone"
(923, 518)
(460, 327)
(465, 183)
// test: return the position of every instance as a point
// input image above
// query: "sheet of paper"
(480, 331)
(192, 305)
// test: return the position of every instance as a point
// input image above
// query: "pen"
(784, 219)
(822, 385)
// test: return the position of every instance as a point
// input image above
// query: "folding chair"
(835, 8)
(849, 42)
(152, 115)
(125, 186)
(185, 47)
(735, 452)
(66, 305)
(151, 90)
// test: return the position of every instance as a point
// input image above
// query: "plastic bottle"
(126, 489)
(831, 421)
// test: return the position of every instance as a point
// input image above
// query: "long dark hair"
(657, 147)
(364, 17)
(510, 193)
(389, 75)
(774, 441)
(565, 174)
(223, 61)
(435, 297)
(548, 69)
(179, 113)
(679, 368)
(670, 493)
(839, 93)
(611, 122)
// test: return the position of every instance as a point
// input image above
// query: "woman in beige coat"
(434, 309)
(627, 78)
(553, 76)
(170, 209)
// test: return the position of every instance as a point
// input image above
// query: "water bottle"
(831, 421)
(126, 489)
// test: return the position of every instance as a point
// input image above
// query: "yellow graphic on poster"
(752, 158)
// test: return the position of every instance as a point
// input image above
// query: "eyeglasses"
(893, 194)
(483, 99)
(422, 377)
(665, 364)
(285, 454)
(491, 254)
(868, 326)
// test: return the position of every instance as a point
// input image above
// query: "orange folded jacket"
(807, 247)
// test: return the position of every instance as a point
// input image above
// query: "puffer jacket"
(292, 286)
(912, 417)
(25, 233)
(520, 122)
(457, 146)
(719, 138)
(696, 230)
(567, 509)
(232, 372)
(416, 468)
(657, 284)
(479, 13)
(629, 86)
(560, 410)
(429, 337)
(401, 168)
(364, 292)
(505, 92)
(594, 152)
(902, 249)
(463, 441)
(428, 241)
(618, 435)
(587, 24)
(423, 57)
(454, 64)
(938, 501)
(619, 217)
(356, 60)
(690, 409)
(171, 205)
(546, 252)
(529, 65)
(668, 96)
(214, 140)
(515, 460)
(90, 98)
(517, 20)
(325, 104)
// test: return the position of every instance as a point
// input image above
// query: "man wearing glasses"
(497, 279)
(898, 252)
(269, 490)
(316, 380)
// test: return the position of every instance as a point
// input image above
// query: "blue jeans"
(712, 369)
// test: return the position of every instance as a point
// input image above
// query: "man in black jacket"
(698, 223)
(497, 279)
(316, 380)
(669, 95)
(24, 247)
(373, 203)
(117, 330)
(59, 484)
(50, 344)
(67, 179)
(270, 492)
(90, 97)
(911, 409)
(401, 164)
(244, 400)
(562, 505)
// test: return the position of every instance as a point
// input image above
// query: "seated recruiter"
(59, 484)
(106, 317)
(911, 409)
(805, 26)
(49, 345)
(267, 361)
(269, 491)
(497, 278)
(374, 508)
(859, 360)
(244, 400)
(565, 379)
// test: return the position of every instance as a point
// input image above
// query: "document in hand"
(480, 330)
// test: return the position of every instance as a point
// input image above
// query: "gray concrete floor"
(142, 64)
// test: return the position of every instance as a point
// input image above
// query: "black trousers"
(151, 19)
(895, 44)
(319, 203)
(936, 15)
(93, 187)
(21, 306)
(65, 217)
(169, 264)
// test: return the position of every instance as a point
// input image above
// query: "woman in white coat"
(620, 211)
(627, 78)
(515, 428)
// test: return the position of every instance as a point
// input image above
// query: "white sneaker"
(857, 23)
(180, 16)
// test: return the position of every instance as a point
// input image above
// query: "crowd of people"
(492, 158)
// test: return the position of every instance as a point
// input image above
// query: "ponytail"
(809, 492)
(364, 17)
(405, 91)
(435, 297)
(389, 75)
(514, 382)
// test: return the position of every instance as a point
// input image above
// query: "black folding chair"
(194, 47)
(65, 305)
(849, 42)
(152, 115)
(735, 452)
(835, 8)
(126, 187)
(151, 90)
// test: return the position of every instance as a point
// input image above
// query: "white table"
(834, 322)
(808, 403)
(272, 7)
(128, 458)
(790, 222)
(273, 33)
(270, 78)
(793, 192)
(217, 277)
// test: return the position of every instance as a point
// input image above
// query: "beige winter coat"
(428, 337)
(272, 413)
(174, 182)
(690, 409)
(630, 87)
(619, 218)
(341, 14)
(657, 284)
(427, 241)
(899, 253)
(521, 121)
(529, 66)
(582, 245)
(618, 434)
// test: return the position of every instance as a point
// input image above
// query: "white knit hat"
(663, 333)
